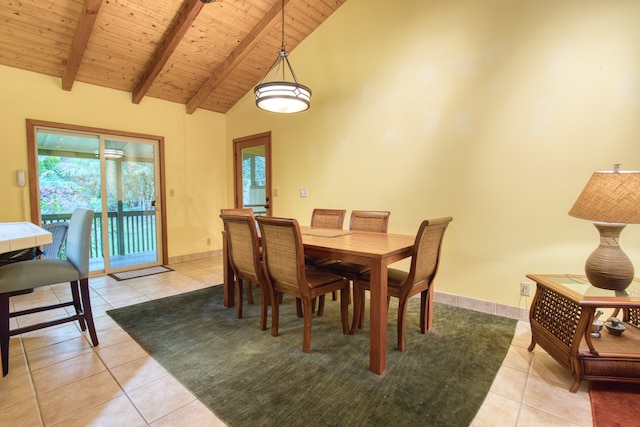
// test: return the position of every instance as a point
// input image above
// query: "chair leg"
(402, 311)
(88, 312)
(320, 305)
(344, 310)
(298, 307)
(426, 310)
(77, 304)
(334, 295)
(4, 332)
(306, 334)
(249, 293)
(275, 312)
(264, 304)
(239, 299)
(358, 309)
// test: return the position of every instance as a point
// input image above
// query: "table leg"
(229, 297)
(378, 321)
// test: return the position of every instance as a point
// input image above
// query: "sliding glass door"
(115, 176)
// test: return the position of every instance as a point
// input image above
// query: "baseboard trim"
(195, 257)
(496, 309)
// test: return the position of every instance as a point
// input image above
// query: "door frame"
(250, 141)
(34, 187)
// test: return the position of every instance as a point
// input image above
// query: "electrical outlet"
(525, 289)
(304, 192)
(208, 241)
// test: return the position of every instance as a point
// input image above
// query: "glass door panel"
(252, 173)
(254, 178)
(131, 215)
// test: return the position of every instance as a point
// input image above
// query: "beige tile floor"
(57, 378)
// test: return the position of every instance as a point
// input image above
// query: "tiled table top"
(21, 235)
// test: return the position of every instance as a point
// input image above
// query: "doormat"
(126, 275)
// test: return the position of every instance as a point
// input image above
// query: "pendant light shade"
(281, 96)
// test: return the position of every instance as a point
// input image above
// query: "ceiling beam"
(80, 39)
(163, 52)
(238, 54)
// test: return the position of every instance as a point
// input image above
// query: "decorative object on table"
(615, 326)
(612, 200)
(597, 325)
(281, 96)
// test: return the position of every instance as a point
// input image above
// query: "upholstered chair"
(43, 272)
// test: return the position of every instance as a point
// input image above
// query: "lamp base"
(608, 267)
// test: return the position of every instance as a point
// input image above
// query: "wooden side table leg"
(576, 384)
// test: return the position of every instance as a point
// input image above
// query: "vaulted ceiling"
(204, 54)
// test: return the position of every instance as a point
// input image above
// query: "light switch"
(275, 192)
(303, 192)
(171, 193)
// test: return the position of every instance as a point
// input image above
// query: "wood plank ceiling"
(204, 54)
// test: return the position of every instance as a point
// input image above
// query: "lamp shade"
(610, 196)
(282, 97)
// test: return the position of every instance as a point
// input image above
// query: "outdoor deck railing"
(129, 231)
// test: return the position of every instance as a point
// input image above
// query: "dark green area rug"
(249, 378)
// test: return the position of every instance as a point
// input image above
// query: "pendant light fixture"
(281, 96)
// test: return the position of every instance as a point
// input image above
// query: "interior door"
(252, 173)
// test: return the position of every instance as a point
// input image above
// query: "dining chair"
(245, 258)
(241, 212)
(283, 255)
(237, 211)
(58, 232)
(43, 272)
(51, 250)
(371, 221)
(425, 259)
(325, 218)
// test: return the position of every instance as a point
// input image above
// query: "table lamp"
(612, 200)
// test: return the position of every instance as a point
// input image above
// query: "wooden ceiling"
(205, 54)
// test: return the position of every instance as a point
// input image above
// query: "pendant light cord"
(282, 48)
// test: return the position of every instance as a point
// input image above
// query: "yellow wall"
(493, 112)
(194, 145)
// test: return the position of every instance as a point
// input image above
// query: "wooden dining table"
(376, 250)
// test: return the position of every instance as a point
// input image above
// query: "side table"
(561, 315)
